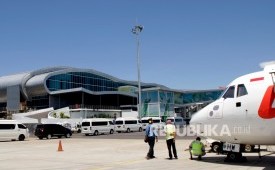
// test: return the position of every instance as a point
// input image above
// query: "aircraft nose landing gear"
(235, 157)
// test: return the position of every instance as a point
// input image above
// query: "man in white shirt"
(170, 131)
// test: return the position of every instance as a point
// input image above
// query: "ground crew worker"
(170, 131)
(196, 148)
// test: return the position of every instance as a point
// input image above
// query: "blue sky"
(185, 44)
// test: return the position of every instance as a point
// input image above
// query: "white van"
(13, 130)
(97, 126)
(128, 124)
(156, 122)
(177, 121)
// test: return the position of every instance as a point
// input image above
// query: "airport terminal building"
(60, 87)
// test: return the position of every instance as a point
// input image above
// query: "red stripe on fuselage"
(265, 110)
(257, 79)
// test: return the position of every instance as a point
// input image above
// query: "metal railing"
(94, 107)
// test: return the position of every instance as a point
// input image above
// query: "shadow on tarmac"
(266, 161)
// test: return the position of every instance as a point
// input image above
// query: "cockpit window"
(241, 90)
(229, 93)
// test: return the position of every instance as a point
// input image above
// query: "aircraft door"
(229, 102)
(241, 101)
(222, 106)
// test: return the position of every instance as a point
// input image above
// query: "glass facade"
(166, 103)
(196, 97)
(157, 103)
(162, 103)
(150, 103)
(85, 80)
(39, 102)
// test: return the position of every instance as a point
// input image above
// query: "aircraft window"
(241, 90)
(229, 93)
(221, 95)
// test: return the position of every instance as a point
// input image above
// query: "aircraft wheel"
(215, 147)
(249, 148)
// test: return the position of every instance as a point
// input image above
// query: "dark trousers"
(171, 143)
(151, 143)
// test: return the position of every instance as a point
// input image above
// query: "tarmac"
(89, 153)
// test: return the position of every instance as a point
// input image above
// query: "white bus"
(13, 130)
(128, 124)
(156, 122)
(177, 121)
(96, 126)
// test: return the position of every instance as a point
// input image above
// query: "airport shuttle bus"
(96, 126)
(177, 121)
(156, 122)
(13, 130)
(128, 124)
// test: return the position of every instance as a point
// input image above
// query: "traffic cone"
(59, 146)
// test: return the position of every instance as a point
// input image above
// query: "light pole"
(136, 30)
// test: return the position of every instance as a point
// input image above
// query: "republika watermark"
(209, 130)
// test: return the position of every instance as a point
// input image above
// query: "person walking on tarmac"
(170, 131)
(196, 148)
(152, 135)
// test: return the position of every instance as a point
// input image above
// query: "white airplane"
(244, 113)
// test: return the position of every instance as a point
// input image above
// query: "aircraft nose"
(196, 123)
(195, 118)
(199, 117)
